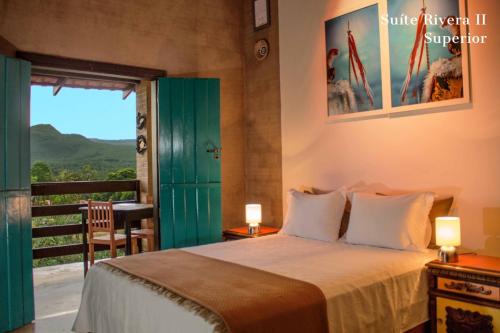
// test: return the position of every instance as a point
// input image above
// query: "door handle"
(216, 151)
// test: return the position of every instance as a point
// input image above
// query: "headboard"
(441, 207)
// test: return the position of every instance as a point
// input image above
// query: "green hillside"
(115, 142)
(72, 151)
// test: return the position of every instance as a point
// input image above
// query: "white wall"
(451, 152)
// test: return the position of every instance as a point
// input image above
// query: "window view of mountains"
(75, 157)
(57, 157)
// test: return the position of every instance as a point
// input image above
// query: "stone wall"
(187, 38)
(143, 161)
(263, 182)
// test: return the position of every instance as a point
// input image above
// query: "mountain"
(116, 142)
(72, 151)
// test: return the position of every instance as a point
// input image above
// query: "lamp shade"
(448, 231)
(253, 213)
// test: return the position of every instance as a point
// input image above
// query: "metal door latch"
(216, 151)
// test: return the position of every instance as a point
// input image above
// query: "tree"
(68, 176)
(40, 172)
(122, 174)
(88, 173)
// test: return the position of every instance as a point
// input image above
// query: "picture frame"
(261, 14)
(391, 84)
(353, 65)
(437, 54)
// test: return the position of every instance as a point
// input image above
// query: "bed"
(367, 289)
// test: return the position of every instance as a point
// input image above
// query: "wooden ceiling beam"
(58, 86)
(73, 75)
(96, 67)
(7, 48)
(127, 92)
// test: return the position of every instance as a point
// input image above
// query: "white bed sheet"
(368, 289)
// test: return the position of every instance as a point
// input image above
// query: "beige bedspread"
(240, 299)
(367, 289)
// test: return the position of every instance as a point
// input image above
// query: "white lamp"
(448, 236)
(253, 213)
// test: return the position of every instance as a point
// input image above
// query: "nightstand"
(465, 296)
(242, 232)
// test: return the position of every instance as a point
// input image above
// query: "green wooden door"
(189, 172)
(16, 275)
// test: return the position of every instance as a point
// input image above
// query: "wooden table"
(125, 214)
(242, 232)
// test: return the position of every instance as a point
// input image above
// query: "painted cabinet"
(457, 316)
(189, 161)
(464, 296)
(16, 277)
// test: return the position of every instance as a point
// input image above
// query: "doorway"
(184, 113)
(76, 135)
(16, 254)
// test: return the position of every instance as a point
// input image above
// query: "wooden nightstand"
(242, 232)
(465, 296)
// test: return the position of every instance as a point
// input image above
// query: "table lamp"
(253, 214)
(448, 236)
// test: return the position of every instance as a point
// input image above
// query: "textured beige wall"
(454, 152)
(144, 166)
(185, 37)
(143, 161)
(263, 119)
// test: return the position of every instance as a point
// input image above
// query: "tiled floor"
(57, 297)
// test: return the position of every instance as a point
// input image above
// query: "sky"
(100, 114)
(364, 26)
(402, 37)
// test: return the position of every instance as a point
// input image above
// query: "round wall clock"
(261, 49)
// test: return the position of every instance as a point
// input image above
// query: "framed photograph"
(426, 71)
(261, 14)
(353, 65)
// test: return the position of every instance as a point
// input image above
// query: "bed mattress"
(367, 289)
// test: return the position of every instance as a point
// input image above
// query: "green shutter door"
(16, 276)
(189, 176)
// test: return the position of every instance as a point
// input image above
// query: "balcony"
(57, 298)
(58, 288)
(42, 192)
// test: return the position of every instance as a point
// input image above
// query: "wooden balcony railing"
(77, 187)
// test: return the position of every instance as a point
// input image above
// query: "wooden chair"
(147, 234)
(101, 220)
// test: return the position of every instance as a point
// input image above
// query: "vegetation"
(59, 157)
(69, 152)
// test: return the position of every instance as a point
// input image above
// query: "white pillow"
(398, 222)
(314, 216)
